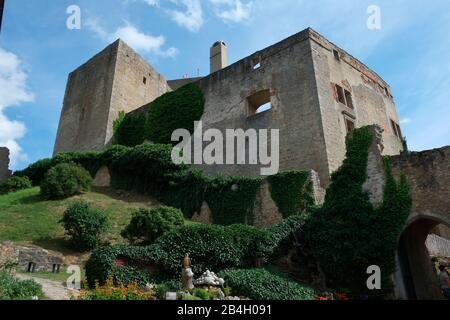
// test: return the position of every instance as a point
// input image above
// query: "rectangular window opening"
(257, 66)
(348, 99)
(340, 94)
(259, 102)
(350, 125)
(336, 55)
(144, 80)
(396, 129)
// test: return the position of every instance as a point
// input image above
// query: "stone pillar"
(5, 173)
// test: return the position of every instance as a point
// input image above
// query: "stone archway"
(416, 277)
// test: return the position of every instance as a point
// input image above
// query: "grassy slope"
(26, 218)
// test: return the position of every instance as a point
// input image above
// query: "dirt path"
(53, 290)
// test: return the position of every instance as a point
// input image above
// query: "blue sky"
(37, 51)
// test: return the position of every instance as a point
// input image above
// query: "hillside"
(26, 218)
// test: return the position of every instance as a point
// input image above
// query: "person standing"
(444, 281)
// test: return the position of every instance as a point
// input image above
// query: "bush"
(65, 180)
(202, 294)
(15, 184)
(147, 225)
(110, 291)
(36, 171)
(13, 289)
(261, 284)
(211, 247)
(84, 225)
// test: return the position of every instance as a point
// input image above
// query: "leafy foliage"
(291, 191)
(174, 110)
(65, 180)
(147, 225)
(348, 234)
(13, 289)
(132, 130)
(209, 246)
(261, 284)
(15, 184)
(110, 291)
(84, 225)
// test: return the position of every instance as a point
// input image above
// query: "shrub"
(65, 180)
(261, 284)
(110, 291)
(147, 225)
(161, 290)
(209, 246)
(13, 289)
(15, 184)
(201, 293)
(84, 225)
(36, 171)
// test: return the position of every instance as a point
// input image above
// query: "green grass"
(62, 276)
(26, 218)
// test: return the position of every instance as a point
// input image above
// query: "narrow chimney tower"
(218, 56)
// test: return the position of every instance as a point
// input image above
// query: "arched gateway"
(428, 175)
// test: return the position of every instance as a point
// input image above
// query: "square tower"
(116, 79)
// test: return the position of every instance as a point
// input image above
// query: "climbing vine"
(347, 234)
(292, 192)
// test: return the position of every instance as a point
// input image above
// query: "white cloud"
(13, 91)
(405, 121)
(232, 10)
(191, 18)
(138, 40)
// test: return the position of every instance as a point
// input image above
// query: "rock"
(209, 279)
(171, 296)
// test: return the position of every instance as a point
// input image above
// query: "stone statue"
(187, 275)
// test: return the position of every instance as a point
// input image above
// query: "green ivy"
(174, 110)
(347, 234)
(131, 130)
(210, 247)
(292, 192)
(262, 284)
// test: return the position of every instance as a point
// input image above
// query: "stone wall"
(5, 173)
(370, 95)
(428, 175)
(116, 79)
(29, 258)
(299, 72)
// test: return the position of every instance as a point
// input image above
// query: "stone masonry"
(428, 176)
(5, 173)
(317, 93)
(117, 79)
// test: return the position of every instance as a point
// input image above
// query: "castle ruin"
(305, 86)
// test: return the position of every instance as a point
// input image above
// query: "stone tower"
(116, 79)
(218, 56)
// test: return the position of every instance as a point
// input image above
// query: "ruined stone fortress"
(309, 89)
